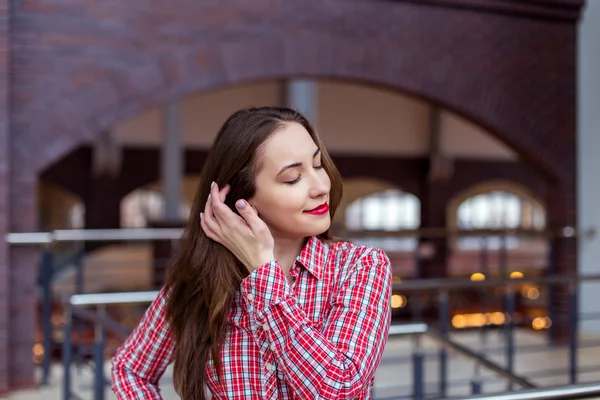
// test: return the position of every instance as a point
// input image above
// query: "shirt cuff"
(264, 286)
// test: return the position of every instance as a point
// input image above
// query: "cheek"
(281, 204)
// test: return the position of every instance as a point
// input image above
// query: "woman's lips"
(322, 209)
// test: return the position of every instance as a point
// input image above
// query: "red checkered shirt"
(320, 337)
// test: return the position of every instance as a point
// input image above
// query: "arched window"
(144, 205)
(498, 209)
(388, 210)
(141, 206)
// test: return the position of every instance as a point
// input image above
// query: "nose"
(320, 184)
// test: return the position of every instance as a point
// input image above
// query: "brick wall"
(80, 66)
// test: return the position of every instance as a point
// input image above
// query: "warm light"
(396, 279)
(38, 350)
(497, 318)
(398, 301)
(540, 323)
(533, 293)
(478, 319)
(478, 276)
(516, 275)
(459, 321)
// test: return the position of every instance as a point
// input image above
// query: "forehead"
(287, 145)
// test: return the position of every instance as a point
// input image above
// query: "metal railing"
(441, 287)
(570, 392)
(76, 307)
(77, 304)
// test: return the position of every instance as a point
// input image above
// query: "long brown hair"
(204, 275)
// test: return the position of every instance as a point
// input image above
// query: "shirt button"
(272, 347)
(266, 327)
(250, 297)
(268, 366)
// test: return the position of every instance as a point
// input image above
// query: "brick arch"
(370, 42)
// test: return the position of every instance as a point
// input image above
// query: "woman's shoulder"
(350, 253)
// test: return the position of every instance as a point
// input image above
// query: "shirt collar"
(313, 256)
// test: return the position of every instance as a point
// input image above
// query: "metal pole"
(418, 378)
(444, 320)
(476, 383)
(46, 287)
(99, 355)
(67, 353)
(510, 337)
(573, 340)
(550, 287)
(79, 328)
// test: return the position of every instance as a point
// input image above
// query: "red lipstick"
(320, 210)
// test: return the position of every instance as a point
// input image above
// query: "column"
(301, 95)
(436, 174)
(5, 214)
(172, 161)
(588, 148)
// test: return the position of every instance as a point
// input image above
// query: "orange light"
(478, 276)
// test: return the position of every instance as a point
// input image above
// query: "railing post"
(444, 320)
(45, 281)
(573, 329)
(99, 381)
(476, 385)
(510, 334)
(79, 347)
(66, 353)
(551, 270)
(418, 378)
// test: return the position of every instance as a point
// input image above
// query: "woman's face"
(292, 188)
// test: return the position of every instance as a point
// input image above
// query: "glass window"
(389, 210)
(498, 209)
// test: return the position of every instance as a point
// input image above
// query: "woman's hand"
(248, 238)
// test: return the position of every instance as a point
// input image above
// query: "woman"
(260, 302)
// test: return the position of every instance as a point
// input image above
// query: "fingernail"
(212, 184)
(208, 197)
(201, 215)
(241, 203)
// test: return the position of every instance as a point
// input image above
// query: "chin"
(318, 228)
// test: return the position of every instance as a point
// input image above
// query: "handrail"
(97, 299)
(580, 391)
(424, 329)
(460, 283)
(480, 359)
(134, 234)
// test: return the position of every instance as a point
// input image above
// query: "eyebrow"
(295, 165)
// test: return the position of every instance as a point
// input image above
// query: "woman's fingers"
(257, 225)
(210, 232)
(210, 223)
(224, 192)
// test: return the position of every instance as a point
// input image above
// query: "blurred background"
(465, 132)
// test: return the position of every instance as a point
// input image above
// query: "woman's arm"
(143, 358)
(339, 361)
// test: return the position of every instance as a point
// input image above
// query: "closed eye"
(294, 181)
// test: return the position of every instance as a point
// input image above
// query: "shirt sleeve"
(143, 358)
(339, 361)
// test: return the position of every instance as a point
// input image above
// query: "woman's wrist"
(264, 258)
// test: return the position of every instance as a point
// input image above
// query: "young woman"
(260, 302)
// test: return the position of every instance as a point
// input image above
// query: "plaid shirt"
(321, 336)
